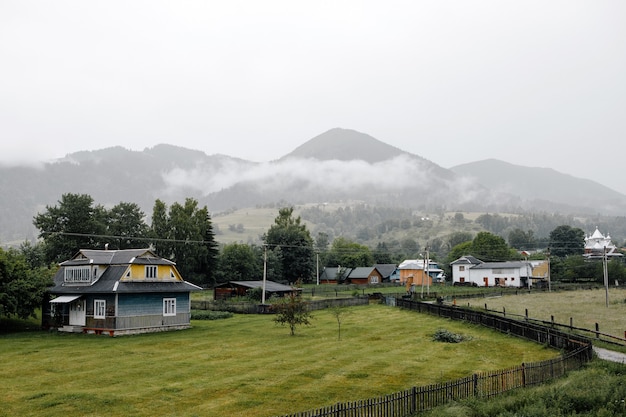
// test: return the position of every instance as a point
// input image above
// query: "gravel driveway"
(610, 355)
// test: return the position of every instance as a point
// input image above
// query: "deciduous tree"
(21, 287)
(125, 223)
(74, 224)
(489, 247)
(566, 240)
(239, 262)
(292, 311)
(349, 254)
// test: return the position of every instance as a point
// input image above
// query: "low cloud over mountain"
(337, 165)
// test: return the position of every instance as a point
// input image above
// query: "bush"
(210, 315)
(446, 336)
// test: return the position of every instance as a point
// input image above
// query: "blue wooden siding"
(149, 304)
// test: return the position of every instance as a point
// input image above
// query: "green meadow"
(584, 307)
(245, 365)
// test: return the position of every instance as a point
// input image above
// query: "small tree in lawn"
(339, 313)
(292, 310)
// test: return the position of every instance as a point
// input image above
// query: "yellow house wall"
(138, 273)
(540, 271)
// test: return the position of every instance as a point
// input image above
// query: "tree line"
(184, 233)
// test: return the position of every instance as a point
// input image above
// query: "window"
(99, 309)
(461, 267)
(151, 271)
(77, 274)
(169, 306)
(373, 279)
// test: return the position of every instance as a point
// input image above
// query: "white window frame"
(77, 275)
(169, 306)
(152, 271)
(99, 309)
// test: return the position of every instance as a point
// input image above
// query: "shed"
(240, 288)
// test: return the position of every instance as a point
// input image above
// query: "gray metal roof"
(330, 272)
(386, 269)
(116, 257)
(502, 265)
(361, 272)
(270, 286)
(467, 259)
(109, 281)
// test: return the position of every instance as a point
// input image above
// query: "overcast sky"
(534, 83)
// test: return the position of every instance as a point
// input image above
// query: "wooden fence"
(597, 334)
(483, 385)
(254, 308)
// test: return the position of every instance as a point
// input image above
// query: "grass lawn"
(244, 366)
(585, 307)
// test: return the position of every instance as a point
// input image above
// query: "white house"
(469, 270)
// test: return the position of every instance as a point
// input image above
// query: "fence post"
(552, 320)
(597, 331)
(485, 306)
(475, 385)
(526, 314)
(523, 374)
(503, 311)
(571, 323)
(414, 400)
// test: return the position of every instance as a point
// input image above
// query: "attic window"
(151, 272)
(462, 268)
(172, 275)
(77, 275)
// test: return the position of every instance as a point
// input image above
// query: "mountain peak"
(345, 145)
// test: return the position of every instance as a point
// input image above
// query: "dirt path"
(610, 355)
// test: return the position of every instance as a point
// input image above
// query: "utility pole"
(549, 283)
(427, 272)
(605, 270)
(317, 266)
(264, 273)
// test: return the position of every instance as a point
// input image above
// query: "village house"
(241, 289)
(389, 272)
(118, 292)
(364, 275)
(419, 272)
(334, 275)
(468, 270)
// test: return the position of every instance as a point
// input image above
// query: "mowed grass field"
(245, 365)
(585, 307)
